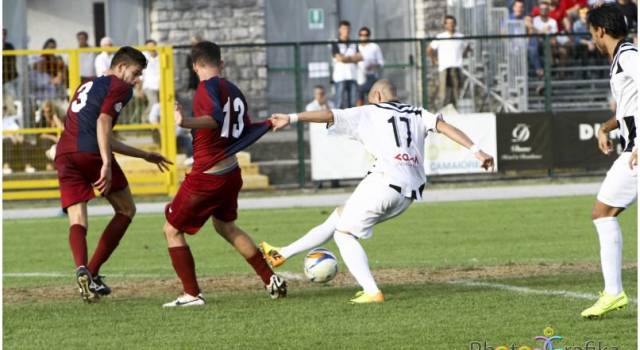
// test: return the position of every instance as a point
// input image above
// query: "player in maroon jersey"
(220, 127)
(84, 161)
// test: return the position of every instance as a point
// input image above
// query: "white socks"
(610, 237)
(316, 237)
(356, 260)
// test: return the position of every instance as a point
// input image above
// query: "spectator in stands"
(540, 24)
(103, 60)
(630, 11)
(51, 116)
(52, 64)
(517, 10)
(9, 76)
(87, 68)
(320, 101)
(571, 10)
(345, 58)
(151, 78)
(585, 49)
(370, 66)
(448, 54)
(555, 11)
(47, 78)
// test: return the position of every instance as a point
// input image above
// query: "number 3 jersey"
(221, 100)
(107, 94)
(394, 133)
(624, 73)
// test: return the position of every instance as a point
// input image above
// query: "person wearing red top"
(84, 161)
(221, 127)
(556, 11)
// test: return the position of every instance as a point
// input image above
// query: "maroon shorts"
(202, 196)
(78, 171)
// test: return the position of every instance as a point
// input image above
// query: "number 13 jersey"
(221, 100)
(394, 133)
(107, 94)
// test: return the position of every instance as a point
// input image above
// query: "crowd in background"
(45, 90)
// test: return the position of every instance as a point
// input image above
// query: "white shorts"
(373, 201)
(620, 187)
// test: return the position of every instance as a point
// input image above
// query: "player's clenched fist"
(279, 121)
(487, 160)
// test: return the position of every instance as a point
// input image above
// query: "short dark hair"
(321, 87)
(151, 41)
(49, 41)
(450, 17)
(206, 52)
(344, 23)
(129, 55)
(82, 32)
(366, 29)
(610, 18)
(517, 1)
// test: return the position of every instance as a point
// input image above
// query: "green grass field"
(452, 273)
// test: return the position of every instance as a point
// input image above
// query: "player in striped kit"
(394, 133)
(608, 28)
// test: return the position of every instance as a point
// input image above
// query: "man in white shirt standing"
(448, 54)
(370, 66)
(86, 58)
(103, 60)
(345, 56)
(151, 78)
(541, 24)
(394, 133)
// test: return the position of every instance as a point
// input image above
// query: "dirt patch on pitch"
(147, 287)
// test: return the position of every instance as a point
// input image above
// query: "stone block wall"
(174, 22)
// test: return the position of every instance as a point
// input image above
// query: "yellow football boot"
(605, 304)
(271, 254)
(364, 298)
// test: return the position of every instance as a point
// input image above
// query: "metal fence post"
(424, 73)
(547, 74)
(299, 108)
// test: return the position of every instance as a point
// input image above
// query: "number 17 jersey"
(394, 133)
(223, 101)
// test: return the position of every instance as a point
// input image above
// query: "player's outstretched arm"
(151, 157)
(461, 138)
(280, 120)
(193, 123)
(103, 134)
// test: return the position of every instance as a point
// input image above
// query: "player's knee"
(128, 210)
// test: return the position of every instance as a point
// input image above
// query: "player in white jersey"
(608, 28)
(394, 133)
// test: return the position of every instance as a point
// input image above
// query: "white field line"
(527, 290)
(294, 276)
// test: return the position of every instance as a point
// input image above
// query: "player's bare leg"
(242, 242)
(125, 210)
(357, 262)
(610, 236)
(185, 267)
(78, 243)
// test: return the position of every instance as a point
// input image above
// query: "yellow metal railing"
(23, 146)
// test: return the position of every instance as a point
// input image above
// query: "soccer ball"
(320, 265)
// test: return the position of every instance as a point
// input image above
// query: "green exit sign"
(316, 18)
